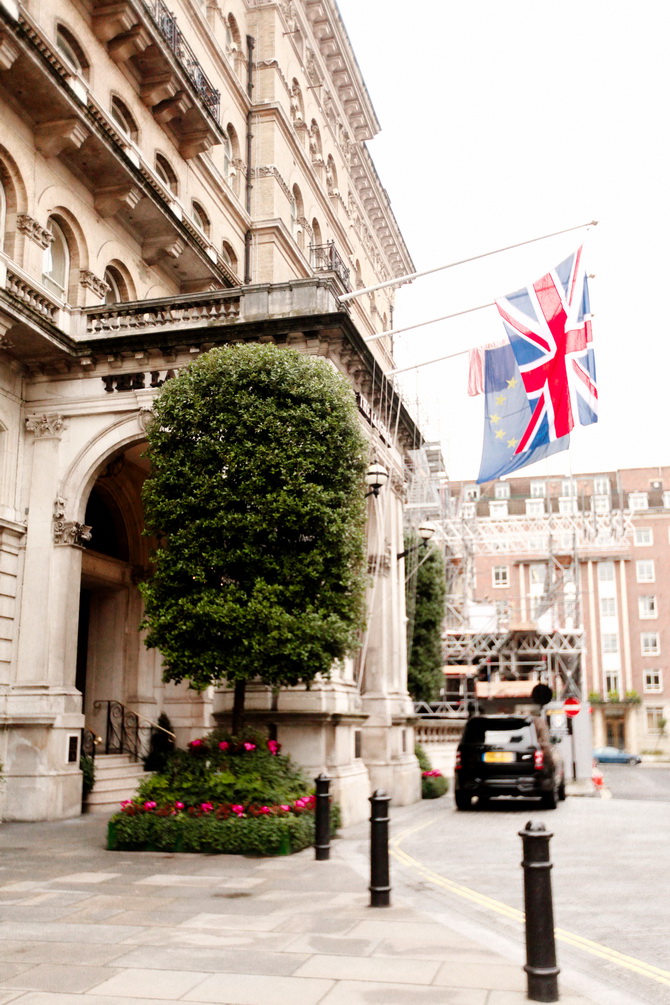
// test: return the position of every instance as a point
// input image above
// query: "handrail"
(128, 731)
(150, 722)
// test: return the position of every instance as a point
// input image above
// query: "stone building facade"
(171, 180)
(587, 555)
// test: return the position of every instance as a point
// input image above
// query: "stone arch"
(15, 201)
(68, 222)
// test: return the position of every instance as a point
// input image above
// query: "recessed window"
(654, 719)
(649, 643)
(653, 680)
(500, 575)
(569, 487)
(56, 261)
(643, 536)
(606, 572)
(123, 118)
(601, 504)
(229, 256)
(502, 490)
(537, 574)
(471, 493)
(498, 508)
(645, 572)
(612, 682)
(647, 607)
(166, 173)
(200, 218)
(567, 505)
(608, 607)
(538, 490)
(610, 642)
(118, 288)
(469, 510)
(601, 486)
(535, 507)
(638, 501)
(69, 48)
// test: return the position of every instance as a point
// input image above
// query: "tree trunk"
(238, 707)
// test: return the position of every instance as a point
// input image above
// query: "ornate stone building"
(173, 180)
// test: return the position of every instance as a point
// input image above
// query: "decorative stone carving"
(312, 68)
(9, 50)
(91, 282)
(46, 425)
(51, 138)
(68, 532)
(31, 228)
(271, 171)
(144, 416)
(380, 565)
(110, 200)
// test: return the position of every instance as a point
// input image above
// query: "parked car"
(507, 755)
(612, 755)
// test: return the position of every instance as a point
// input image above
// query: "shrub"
(161, 745)
(433, 784)
(87, 766)
(422, 757)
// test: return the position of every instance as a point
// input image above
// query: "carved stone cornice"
(272, 171)
(91, 282)
(31, 228)
(68, 532)
(46, 426)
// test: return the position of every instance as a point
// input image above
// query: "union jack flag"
(549, 328)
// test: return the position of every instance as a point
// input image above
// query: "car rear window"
(495, 734)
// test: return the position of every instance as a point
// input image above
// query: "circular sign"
(572, 706)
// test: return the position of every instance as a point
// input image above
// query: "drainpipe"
(249, 185)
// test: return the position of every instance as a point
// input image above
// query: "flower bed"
(221, 795)
(433, 784)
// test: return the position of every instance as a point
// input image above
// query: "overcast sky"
(503, 121)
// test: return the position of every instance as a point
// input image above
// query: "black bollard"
(380, 888)
(541, 970)
(322, 818)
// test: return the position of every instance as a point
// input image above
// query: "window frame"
(643, 530)
(648, 686)
(640, 563)
(650, 650)
(652, 613)
(500, 577)
(47, 277)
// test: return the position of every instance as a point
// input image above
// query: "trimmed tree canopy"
(424, 677)
(256, 498)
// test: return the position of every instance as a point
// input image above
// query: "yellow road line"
(489, 903)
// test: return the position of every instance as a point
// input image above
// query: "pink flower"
(431, 774)
(194, 744)
(224, 745)
(178, 805)
(264, 809)
(284, 808)
(150, 805)
(126, 802)
(239, 810)
(206, 807)
(249, 746)
(274, 747)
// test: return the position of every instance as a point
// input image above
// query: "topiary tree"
(426, 589)
(256, 498)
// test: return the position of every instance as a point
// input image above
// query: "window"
(113, 294)
(655, 719)
(601, 486)
(612, 683)
(469, 510)
(601, 504)
(569, 487)
(500, 575)
(606, 572)
(643, 536)
(498, 508)
(666, 500)
(200, 218)
(56, 261)
(166, 174)
(534, 507)
(607, 607)
(538, 490)
(228, 255)
(471, 492)
(647, 607)
(537, 574)
(649, 643)
(567, 505)
(610, 642)
(502, 490)
(653, 680)
(644, 568)
(69, 48)
(638, 500)
(123, 118)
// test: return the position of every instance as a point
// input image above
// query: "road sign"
(572, 706)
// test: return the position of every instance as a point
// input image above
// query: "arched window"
(69, 48)
(123, 118)
(118, 288)
(166, 174)
(316, 233)
(56, 261)
(229, 256)
(200, 218)
(233, 39)
(3, 214)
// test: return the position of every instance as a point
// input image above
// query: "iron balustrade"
(167, 25)
(326, 258)
(128, 732)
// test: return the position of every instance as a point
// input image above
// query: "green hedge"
(433, 785)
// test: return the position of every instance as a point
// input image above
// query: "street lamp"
(376, 477)
(426, 531)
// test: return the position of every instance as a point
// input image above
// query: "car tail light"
(458, 760)
(538, 760)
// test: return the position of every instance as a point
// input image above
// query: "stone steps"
(116, 778)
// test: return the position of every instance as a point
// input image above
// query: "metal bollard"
(541, 970)
(380, 888)
(322, 818)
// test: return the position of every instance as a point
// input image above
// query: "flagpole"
(415, 366)
(422, 324)
(417, 275)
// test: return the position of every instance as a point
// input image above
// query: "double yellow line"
(497, 906)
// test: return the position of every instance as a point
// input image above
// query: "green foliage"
(204, 773)
(161, 745)
(426, 595)
(433, 786)
(87, 766)
(256, 499)
(595, 698)
(632, 697)
(422, 757)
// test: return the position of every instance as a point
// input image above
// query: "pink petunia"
(126, 802)
(249, 746)
(178, 805)
(224, 745)
(239, 810)
(284, 808)
(274, 747)
(150, 805)
(264, 809)
(194, 744)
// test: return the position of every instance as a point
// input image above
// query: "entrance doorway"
(616, 733)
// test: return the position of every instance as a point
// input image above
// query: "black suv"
(507, 755)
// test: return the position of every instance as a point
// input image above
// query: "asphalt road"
(610, 878)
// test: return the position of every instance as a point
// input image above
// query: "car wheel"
(550, 799)
(463, 800)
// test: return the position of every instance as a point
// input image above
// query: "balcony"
(325, 258)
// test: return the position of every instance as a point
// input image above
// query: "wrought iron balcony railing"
(167, 25)
(325, 258)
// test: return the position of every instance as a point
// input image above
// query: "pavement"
(80, 925)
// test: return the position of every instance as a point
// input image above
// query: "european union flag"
(508, 413)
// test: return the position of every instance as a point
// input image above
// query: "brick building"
(585, 557)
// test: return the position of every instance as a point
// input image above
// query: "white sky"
(503, 120)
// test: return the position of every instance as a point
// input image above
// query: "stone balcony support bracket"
(51, 138)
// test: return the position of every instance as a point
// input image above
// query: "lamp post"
(376, 477)
(426, 531)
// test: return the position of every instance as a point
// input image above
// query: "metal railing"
(167, 25)
(326, 258)
(441, 709)
(127, 731)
